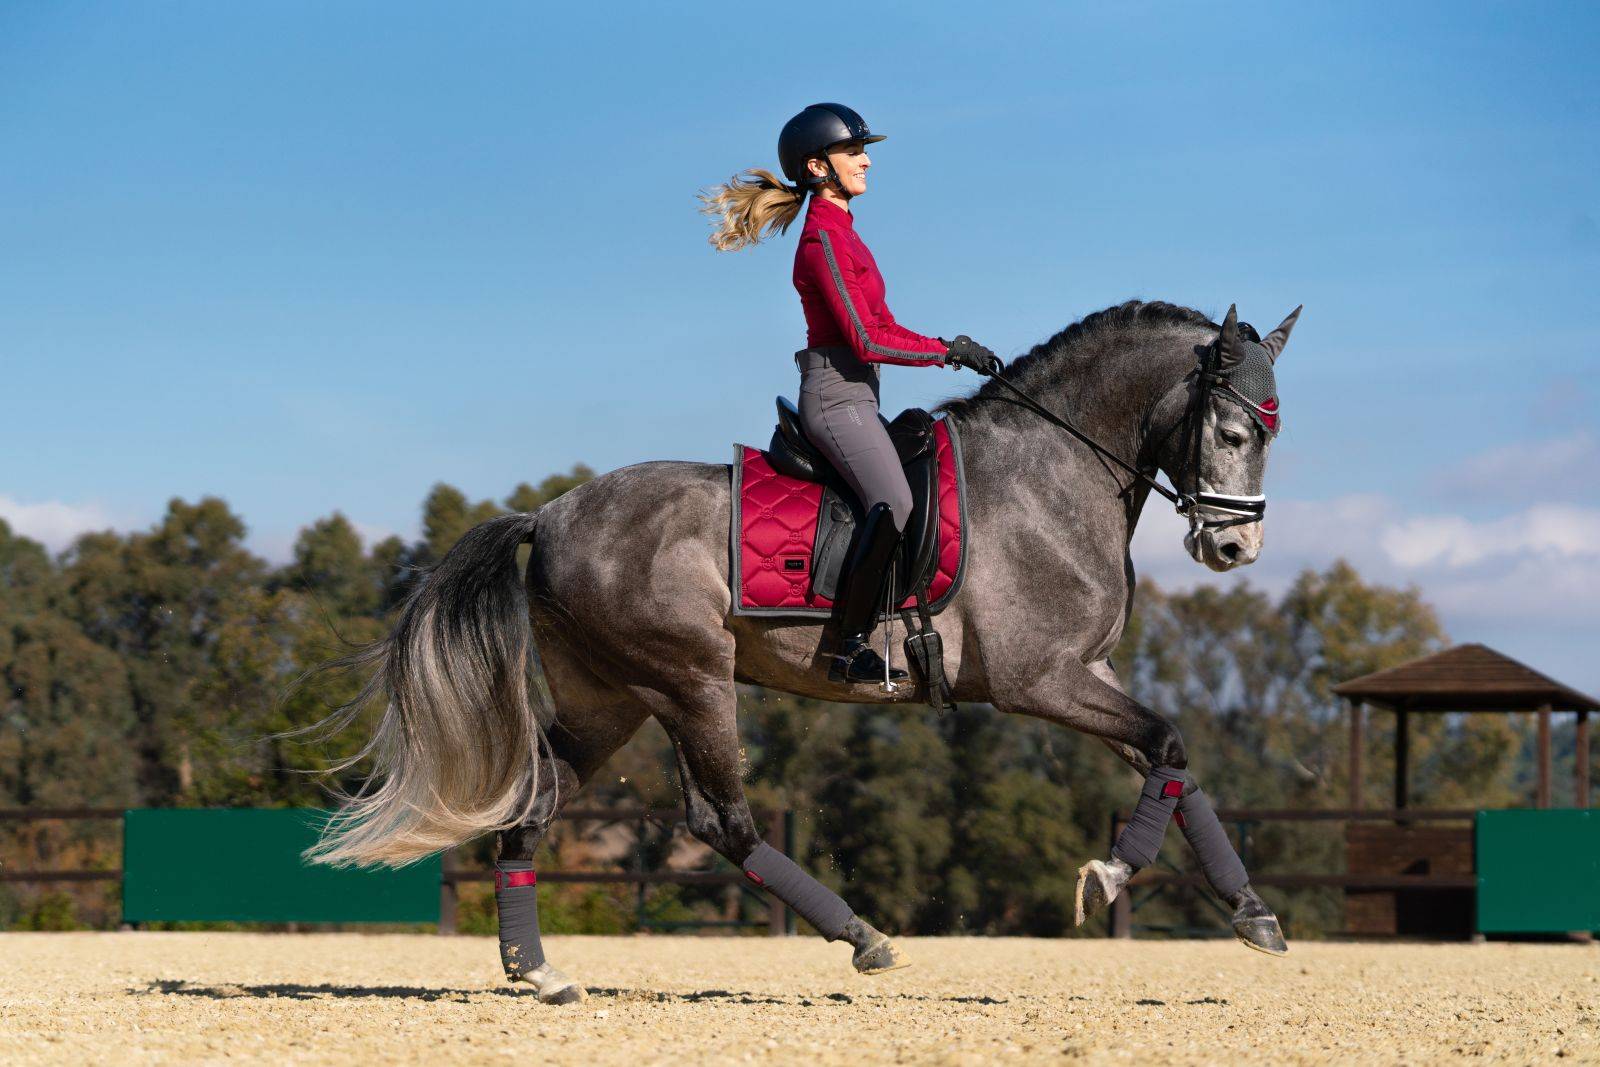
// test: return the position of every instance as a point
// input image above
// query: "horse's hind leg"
(705, 735)
(593, 722)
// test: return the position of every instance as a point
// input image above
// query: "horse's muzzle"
(1226, 548)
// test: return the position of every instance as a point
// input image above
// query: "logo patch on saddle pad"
(773, 550)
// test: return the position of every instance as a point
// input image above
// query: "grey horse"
(624, 608)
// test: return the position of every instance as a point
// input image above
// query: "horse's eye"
(1231, 439)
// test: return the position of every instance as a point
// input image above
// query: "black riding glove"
(965, 352)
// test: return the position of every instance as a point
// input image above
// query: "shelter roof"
(1465, 678)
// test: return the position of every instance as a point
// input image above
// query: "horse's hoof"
(879, 956)
(1098, 885)
(1262, 933)
(552, 986)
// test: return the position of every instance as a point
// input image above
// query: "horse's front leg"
(1253, 922)
(1090, 700)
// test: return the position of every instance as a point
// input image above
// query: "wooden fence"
(1121, 918)
(780, 835)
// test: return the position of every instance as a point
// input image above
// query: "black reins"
(1192, 506)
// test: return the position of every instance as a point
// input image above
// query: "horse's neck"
(1111, 394)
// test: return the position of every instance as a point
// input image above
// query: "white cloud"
(1528, 471)
(54, 523)
(1537, 566)
(1553, 531)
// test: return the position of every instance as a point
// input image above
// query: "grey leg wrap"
(1204, 832)
(518, 905)
(1140, 839)
(783, 878)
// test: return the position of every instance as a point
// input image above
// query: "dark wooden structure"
(1466, 678)
(777, 919)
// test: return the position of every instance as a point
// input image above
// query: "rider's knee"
(900, 504)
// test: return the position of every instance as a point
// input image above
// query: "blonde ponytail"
(750, 207)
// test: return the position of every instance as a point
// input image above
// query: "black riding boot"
(865, 579)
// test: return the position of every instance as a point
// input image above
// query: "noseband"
(1218, 511)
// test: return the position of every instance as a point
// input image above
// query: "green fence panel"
(244, 865)
(1538, 871)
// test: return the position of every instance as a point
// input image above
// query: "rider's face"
(850, 161)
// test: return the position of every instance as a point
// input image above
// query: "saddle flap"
(920, 541)
(836, 530)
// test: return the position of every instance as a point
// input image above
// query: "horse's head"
(1233, 418)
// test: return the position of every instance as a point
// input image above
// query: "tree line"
(155, 668)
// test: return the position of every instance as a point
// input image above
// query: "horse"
(624, 610)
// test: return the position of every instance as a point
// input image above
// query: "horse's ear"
(1228, 340)
(1278, 338)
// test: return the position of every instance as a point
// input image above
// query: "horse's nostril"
(1229, 551)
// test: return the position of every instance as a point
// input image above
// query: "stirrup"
(860, 664)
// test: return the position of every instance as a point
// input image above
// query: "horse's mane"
(1124, 316)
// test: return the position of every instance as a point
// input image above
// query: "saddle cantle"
(794, 519)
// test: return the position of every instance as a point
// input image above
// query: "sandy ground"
(348, 998)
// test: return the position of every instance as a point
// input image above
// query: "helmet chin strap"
(833, 176)
(838, 182)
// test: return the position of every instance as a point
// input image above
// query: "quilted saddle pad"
(773, 535)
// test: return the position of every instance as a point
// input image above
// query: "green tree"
(161, 601)
(447, 514)
(528, 498)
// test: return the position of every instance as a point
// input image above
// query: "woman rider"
(849, 332)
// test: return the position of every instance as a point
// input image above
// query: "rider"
(849, 331)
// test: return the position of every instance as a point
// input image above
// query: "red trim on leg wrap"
(512, 879)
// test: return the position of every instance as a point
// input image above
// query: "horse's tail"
(456, 751)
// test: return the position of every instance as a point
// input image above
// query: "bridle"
(1204, 510)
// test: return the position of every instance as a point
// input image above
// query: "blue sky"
(310, 256)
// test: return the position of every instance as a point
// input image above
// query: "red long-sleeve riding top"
(841, 292)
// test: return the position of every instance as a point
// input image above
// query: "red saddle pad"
(775, 527)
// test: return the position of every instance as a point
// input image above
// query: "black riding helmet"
(814, 131)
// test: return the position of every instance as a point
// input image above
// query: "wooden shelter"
(1466, 678)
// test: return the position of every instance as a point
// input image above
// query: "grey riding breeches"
(839, 411)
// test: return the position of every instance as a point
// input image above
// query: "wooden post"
(1121, 918)
(1122, 914)
(776, 912)
(1581, 785)
(1542, 800)
(1357, 714)
(1402, 757)
(447, 895)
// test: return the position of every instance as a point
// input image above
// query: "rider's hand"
(965, 352)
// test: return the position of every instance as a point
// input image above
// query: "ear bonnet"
(1240, 369)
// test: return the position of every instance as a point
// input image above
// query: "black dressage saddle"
(841, 514)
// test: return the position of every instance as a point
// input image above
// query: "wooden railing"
(780, 835)
(1121, 917)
